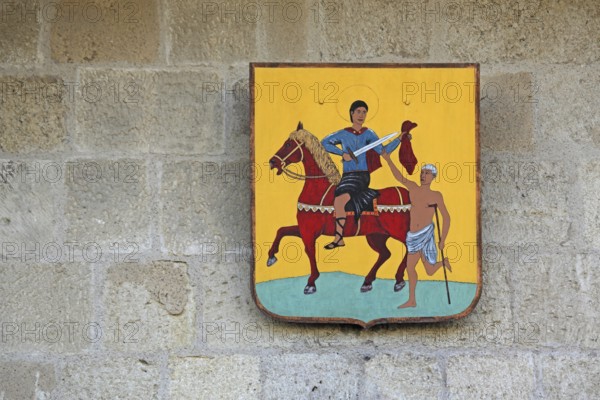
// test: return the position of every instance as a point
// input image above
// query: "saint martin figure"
(354, 186)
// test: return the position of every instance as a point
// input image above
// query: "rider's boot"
(339, 233)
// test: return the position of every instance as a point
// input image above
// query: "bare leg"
(432, 268)
(411, 264)
(339, 204)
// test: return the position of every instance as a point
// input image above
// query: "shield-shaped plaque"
(365, 197)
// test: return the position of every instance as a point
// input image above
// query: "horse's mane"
(319, 153)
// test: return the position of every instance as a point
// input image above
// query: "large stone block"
(114, 110)
(354, 30)
(159, 111)
(19, 32)
(524, 199)
(26, 380)
(46, 308)
(559, 296)
(310, 376)
(151, 305)
(100, 31)
(188, 118)
(506, 112)
(33, 113)
(224, 377)
(590, 195)
(512, 31)
(114, 378)
(108, 201)
(205, 203)
(570, 376)
(470, 376)
(30, 217)
(567, 121)
(203, 31)
(287, 31)
(525, 230)
(406, 376)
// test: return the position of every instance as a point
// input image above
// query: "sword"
(368, 147)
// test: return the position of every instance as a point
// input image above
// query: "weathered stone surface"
(506, 112)
(237, 116)
(114, 110)
(100, 31)
(26, 380)
(224, 377)
(188, 118)
(46, 307)
(566, 376)
(286, 31)
(590, 194)
(29, 214)
(539, 31)
(19, 31)
(490, 376)
(493, 307)
(113, 378)
(33, 113)
(204, 204)
(540, 275)
(524, 199)
(567, 122)
(159, 111)
(310, 376)
(406, 376)
(108, 201)
(559, 297)
(214, 31)
(151, 304)
(522, 229)
(352, 30)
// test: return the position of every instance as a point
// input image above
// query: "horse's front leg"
(310, 249)
(281, 233)
(377, 243)
(400, 275)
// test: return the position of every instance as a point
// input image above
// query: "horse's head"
(290, 153)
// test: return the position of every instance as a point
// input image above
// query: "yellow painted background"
(440, 100)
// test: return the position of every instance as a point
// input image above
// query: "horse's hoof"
(399, 286)
(366, 288)
(310, 289)
(271, 261)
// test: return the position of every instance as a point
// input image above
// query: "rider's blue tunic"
(356, 177)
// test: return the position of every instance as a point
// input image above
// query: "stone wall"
(125, 269)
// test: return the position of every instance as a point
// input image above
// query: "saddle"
(392, 199)
(369, 209)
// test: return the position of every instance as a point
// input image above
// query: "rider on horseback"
(356, 176)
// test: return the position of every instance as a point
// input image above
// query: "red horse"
(390, 218)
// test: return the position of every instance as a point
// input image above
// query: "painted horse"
(315, 214)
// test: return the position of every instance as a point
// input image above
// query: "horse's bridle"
(292, 174)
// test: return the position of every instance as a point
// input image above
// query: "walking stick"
(437, 222)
